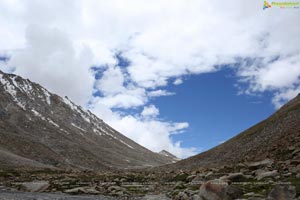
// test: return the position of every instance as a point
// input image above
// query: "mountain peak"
(168, 154)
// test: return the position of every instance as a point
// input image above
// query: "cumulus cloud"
(178, 81)
(281, 75)
(150, 111)
(56, 42)
(51, 59)
(145, 130)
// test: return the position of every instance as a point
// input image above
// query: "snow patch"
(11, 89)
(52, 122)
(47, 96)
(84, 115)
(78, 127)
(97, 131)
(63, 130)
(125, 143)
(36, 113)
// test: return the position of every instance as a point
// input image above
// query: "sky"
(178, 75)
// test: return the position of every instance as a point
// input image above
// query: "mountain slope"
(169, 155)
(41, 129)
(277, 137)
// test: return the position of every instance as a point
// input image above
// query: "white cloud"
(150, 111)
(281, 76)
(111, 81)
(285, 95)
(147, 131)
(55, 43)
(51, 59)
(158, 93)
(123, 100)
(178, 81)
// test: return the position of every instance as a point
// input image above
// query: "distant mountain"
(277, 138)
(39, 129)
(169, 155)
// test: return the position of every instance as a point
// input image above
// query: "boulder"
(264, 174)
(82, 190)
(214, 190)
(282, 192)
(237, 177)
(294, 169)
(115, 188)
(219, 190)
(35, 186)
(260, 164)
(190, 177)
(179, 185)
(199, 178)
(78, 190)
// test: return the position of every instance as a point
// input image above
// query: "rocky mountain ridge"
(39, 129)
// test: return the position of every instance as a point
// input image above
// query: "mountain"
(39, 129)
(169, 155)
(277, 138)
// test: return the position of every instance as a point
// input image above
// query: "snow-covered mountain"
(41, 129)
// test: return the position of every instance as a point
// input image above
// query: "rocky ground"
(265, 179)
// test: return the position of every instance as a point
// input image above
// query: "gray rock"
(237, 177)
(182, 196)
(199, 178)
(196, 197)
(215, 190)
(115, 188)
(252, 194)
(260, 164)
(282, 192)
(190, 178)
(264, 174)
(179, 185)
(36, 186)
(294, 169)
(78, 190)
(82, 190)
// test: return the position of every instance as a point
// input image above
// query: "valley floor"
(254, 181)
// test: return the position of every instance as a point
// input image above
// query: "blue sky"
(213, 108)
(170, 75)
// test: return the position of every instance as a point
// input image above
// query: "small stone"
(190, 178)
(252, 194)
(179, 185)
(115, 188)
(78, 190)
